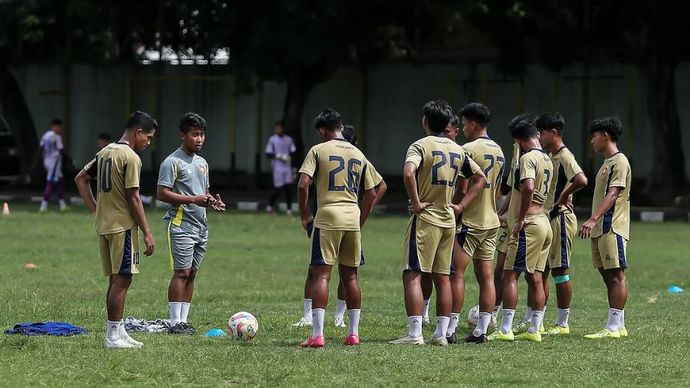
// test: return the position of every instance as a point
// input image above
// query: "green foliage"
(246, 271)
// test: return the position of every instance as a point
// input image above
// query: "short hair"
(477, 112)
(523, 127)
(279, 122)
(141, 120)
(105, 136)
(551, 121)
(329, 120)
(454, 121)
(191, 120)
(611, 125)
(56, 121)
(350, 134)
(438, 114)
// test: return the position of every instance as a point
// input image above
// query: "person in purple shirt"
(279, 149)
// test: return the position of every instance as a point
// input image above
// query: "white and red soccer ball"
(243, 326)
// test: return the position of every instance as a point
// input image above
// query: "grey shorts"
(186, 244)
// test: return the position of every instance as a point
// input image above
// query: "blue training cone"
(215, 332)
(675, 290)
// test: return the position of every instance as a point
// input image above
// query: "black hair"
(329, 120)
(611, 125)
(350, 134)
(438, 114)
(551, 121)
(191, 120)
(523, 127)
(56, 121)
(141, 120)
(279, 122)
(105, 136)
(477, 112)
(455, 121)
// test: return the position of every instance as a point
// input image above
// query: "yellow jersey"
(116, 168)
(565, 167)
(615, 172)
(535, 164)
(338, 170)
(481, 213)
(439, 161)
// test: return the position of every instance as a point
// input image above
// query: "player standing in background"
(530, 239)
(350, 134)
(568, 179)
(609, 225)
(338, 170)
(279, 149)
(51, 149)
(119, 215)
(432, 166)
(183, 182)
(479, 224)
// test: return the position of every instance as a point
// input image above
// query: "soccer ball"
(473, 316)
(243, 326)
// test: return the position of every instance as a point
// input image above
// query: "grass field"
(257, 263)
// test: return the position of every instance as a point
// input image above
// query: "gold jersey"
(534, 164)
(481, 213)
(439, 161)
(338, 170)
(615, 172)
(565, 167)
(116, 168)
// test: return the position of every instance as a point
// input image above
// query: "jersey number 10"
(105, 175)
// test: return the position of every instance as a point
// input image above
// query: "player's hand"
(518, 227)
(204, 200)
(503, 221)
(218, 204)
(150, 244)
(420, 207)
(306, 221)
(567, 202)
(586, 228)
(458, 209)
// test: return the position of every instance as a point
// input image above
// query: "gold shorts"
(120, 252)
(563, 228)
(479, 244)
(502, 241)
(427, 248)
(528, 252)
(609, 251)
(331, 247)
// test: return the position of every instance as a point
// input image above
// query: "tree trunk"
(666, 178)
(16, 112)
(297, 89)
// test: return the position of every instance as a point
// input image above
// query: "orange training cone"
(5, 209)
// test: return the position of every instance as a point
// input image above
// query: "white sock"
(441, 326)
(426, 308)
(340, 307)
(535, 321)
(306, 309)
(317, 316)
(482, 324)
(453, 324)
(614, 319)
(507, 321)
(113, 330)
(44, 205)
(563, 315)
(528, 315)
(494, 313)
(543, 312)
(175, 309)
(184, 311)
(414, 326)
(123, 332)
(353, 322)
(62, 204)
(621, 324)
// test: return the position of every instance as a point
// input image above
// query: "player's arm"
(604, 206)
(476, 185)
(461, 186)
(578, 182)
(82, 181)
(367, 205)
(380, 190)
(166, 194)
(303, 199)
(136, 208)
(410, 181)
(526, 194)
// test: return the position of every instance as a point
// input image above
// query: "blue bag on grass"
(46, 328)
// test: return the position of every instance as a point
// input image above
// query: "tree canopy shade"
(653, 35)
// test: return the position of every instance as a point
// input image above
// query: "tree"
(652, 35)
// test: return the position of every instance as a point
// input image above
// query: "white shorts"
(282, 177)
(53, 170)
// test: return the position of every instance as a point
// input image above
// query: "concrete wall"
(385, 105)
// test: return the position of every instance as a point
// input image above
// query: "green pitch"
(257, 263)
